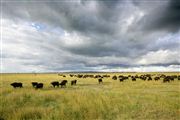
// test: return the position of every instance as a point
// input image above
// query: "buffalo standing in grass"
(34, 84)
(55, 83)
(39, 86)
(157, 78)
(149, 78)
(133, 79)
(17, 84)
(121, 79)
(178, 77)
(63, 83)
(73, 82)
(100, 81)
(166, 79)
(114, 77)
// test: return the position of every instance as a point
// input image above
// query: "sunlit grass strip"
(140, 100)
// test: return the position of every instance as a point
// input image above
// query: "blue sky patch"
(38, 26)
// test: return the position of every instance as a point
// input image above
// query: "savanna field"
(89, 100)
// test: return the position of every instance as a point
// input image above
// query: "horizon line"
(91, 72)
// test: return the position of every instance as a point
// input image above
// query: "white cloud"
(145, 69)
(74, 40)
(160, 56)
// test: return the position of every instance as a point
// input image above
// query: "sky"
(90, 35)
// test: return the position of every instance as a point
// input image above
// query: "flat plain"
(89, 100)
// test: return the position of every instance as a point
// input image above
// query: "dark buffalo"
(157, 78)
(121, 79)
(172, 78)
(114, 77)
(143, 77)
(63, 83)
(79, 76)
(97, 76)
(107, 76)
(149, 78)
(71, 75)
(55, 83)
(17, 84)
(39, 86)
(73, 82)
(166, 79)
(133, 79)
(100, 81)
(34, 84)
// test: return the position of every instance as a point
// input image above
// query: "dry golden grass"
(113, 100)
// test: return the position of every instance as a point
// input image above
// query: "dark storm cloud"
(90, 34)
(76, 16)
(171, 17)
(81, 17)
(166, 18)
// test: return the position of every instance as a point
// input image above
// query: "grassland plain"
(112, 100)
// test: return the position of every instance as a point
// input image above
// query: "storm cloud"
(90, 35)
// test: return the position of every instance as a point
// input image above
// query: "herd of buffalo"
(121, 78)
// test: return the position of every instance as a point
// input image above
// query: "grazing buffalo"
(73, 82)
(34, 84)
(143, 77)
(55, 83)
(79, 76)
(97, 76)
(39, 86)
(100, 81)
(121, 79)
(133, 79)
(107, 76)
(166, 79)
(149, 78)
(157, 78)
(71, 75)
(17, 84)
(171, 78)
(114, 77)
(63, 83)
